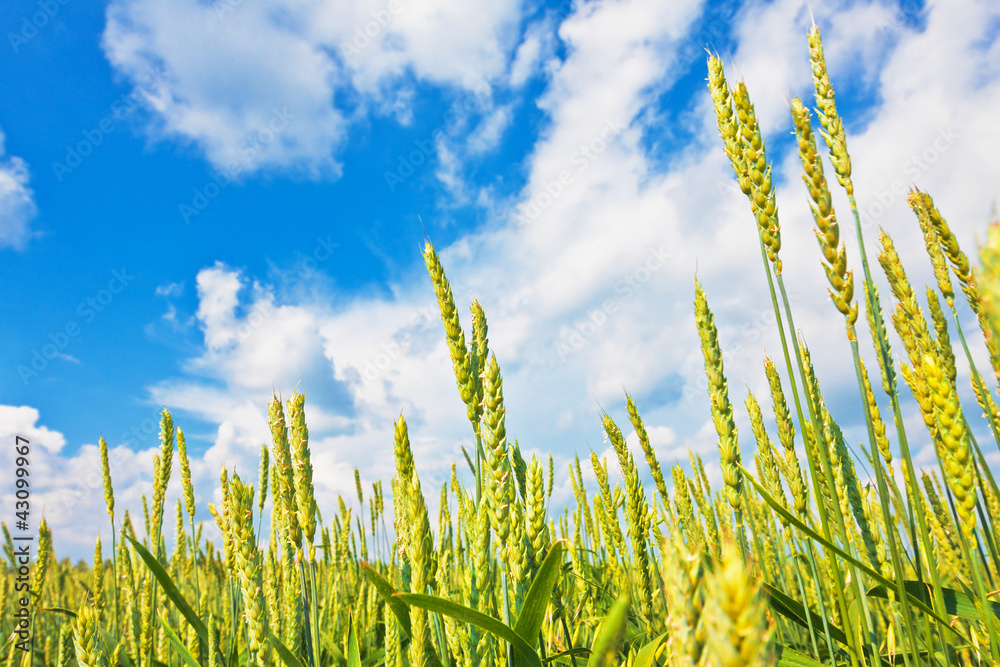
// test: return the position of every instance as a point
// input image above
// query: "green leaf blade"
(170, 589)
(476, 618)
(529, 622)
(388, 593)
(609, 639)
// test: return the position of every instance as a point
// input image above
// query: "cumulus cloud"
(17, 200)
(275, 85)
(71, 498)
(23, 421)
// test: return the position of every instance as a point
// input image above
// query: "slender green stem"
(802, 593)
(479, 469)
(506, 614)
(316, 648)
(827, 470)
(883, 495)
(842, 602)
(306, 615)
(819, 595)
(114, 575)
(569, 637)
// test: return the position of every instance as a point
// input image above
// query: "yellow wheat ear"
(953, 443)
(763, 200)
(247, 566)
(732, 142)
(827, 230)
(744, 146)
(833, 125)
(302, 471)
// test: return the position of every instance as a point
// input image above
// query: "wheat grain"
(302, 470)
(988, 277)
(97, 588)
(500, 490)
(647, 448)
(682, 499)
(538, 536)
(732, 141)
(247, 566)
(67, 648)
(109, 490)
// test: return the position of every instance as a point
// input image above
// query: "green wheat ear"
(735, 619)
(109, 490)
(455, 335)
(722, 409)
(302, 471)
(86, 637)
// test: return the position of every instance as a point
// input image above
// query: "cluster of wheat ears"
(799, 564)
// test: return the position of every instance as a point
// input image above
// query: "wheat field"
(795, 560)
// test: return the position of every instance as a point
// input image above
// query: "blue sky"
(201, 201)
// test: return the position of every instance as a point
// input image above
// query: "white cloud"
(23, 421)
(218, 87)
(490, 130)
(535, 50)
(264, 86)
(170, 289)
(72, 496)
(17, 200)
